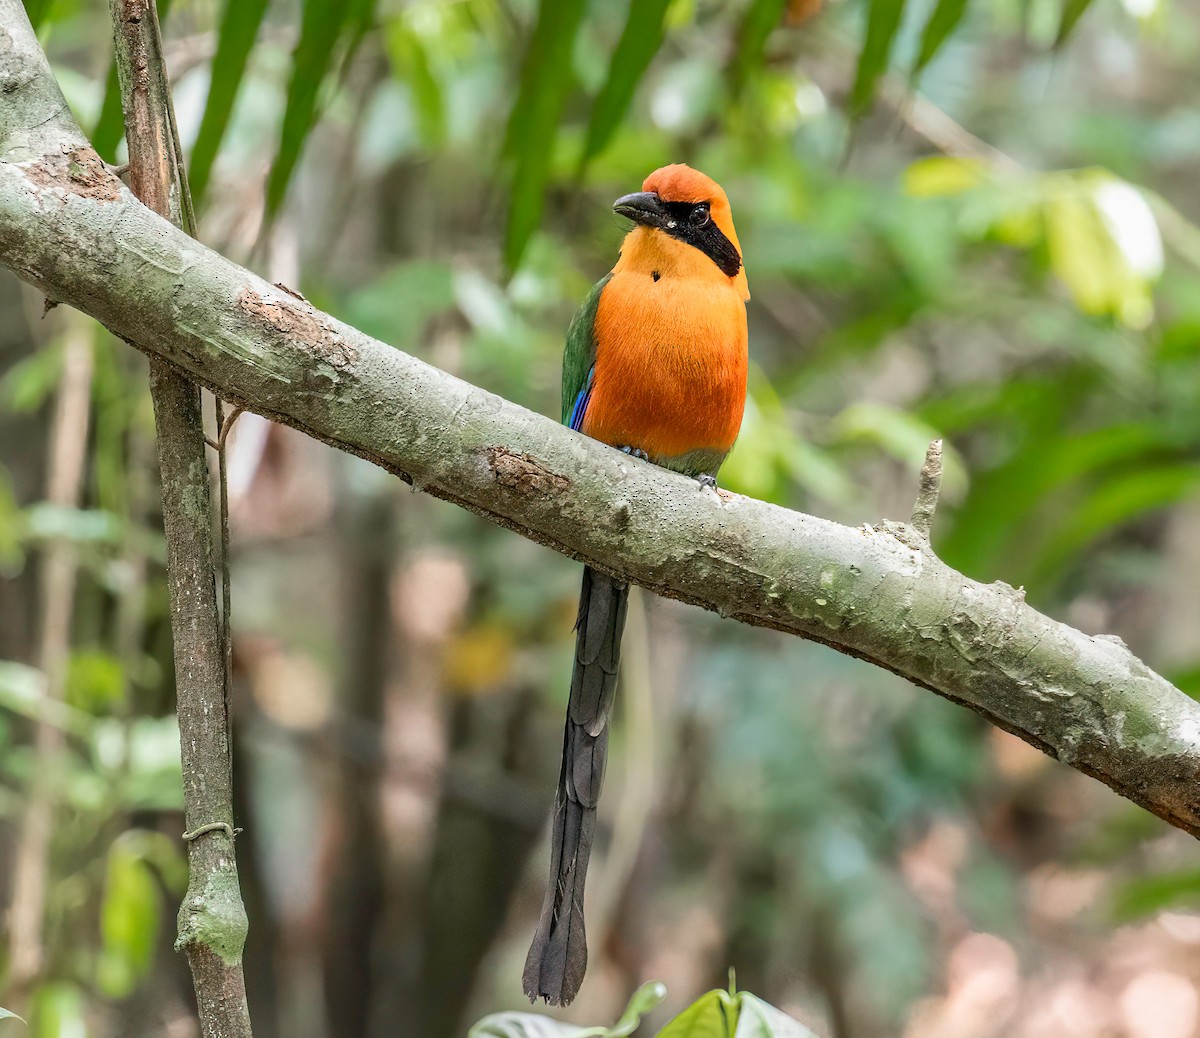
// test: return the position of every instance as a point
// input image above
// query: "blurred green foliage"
(716, 1014)
(725, 1014)
(440, 175)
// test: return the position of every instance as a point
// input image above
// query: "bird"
(655, 365)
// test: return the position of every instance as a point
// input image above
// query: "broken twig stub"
(928, 490)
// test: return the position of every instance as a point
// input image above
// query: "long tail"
(558, 956)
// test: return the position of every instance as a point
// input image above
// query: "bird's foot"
(707, 480)
(636, 452)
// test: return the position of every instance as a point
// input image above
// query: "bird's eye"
(699, 215)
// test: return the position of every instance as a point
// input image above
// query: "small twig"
(225, 423)
(931, 123)
(224, 426)
(211, 827)
(928, 490)
(290, 291)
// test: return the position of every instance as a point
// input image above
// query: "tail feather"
(557, 958)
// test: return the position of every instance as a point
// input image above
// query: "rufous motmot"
(655, 365)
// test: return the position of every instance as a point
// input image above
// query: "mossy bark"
(212, 919)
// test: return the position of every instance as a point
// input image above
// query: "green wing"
(579, 356)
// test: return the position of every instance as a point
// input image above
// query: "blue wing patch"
(579, 409)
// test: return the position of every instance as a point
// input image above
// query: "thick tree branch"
(69, 227)
(212, 918)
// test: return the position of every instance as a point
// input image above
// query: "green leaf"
(938, 29)
(95, 681)
(1072, 11)
(322, 24)
(639, 42)
(143, 756)
(883, 22)
(1119, 499)
(12, 554)
(110, 126)
(235, 39)
(23, 691)
(47, 522)
(1001, 516)
(901, 434)
(940, 175)
(1142, 897)
(28, 384)
(1082, 253)
(164, 855)
(1186, 680)
(647, 997)
(759, 1019)
(1083, 212)
(129, 919)
(397, 305)
(770, 456)
(712, 1015)
(37, 11)
(533, 124)
(530, 1025)
(410, 59)
(58, 1009)
(761, 18)
(730, 1014)
(360, 17)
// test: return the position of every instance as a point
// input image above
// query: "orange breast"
(671, 361)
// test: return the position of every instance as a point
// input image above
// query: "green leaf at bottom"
(530, 1025)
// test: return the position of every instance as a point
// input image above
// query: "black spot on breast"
(655, 274)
